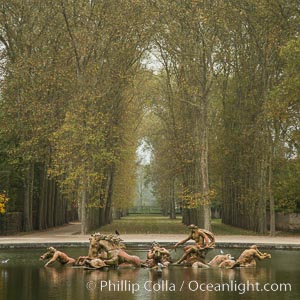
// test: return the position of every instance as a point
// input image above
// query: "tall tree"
(252, 32)
(188, 45)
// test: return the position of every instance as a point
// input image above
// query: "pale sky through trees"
(144, 153)
(152, 62)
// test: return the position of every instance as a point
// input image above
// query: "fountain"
(109, 251)
(110, 270)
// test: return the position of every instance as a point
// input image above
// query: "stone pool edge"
(146, 245)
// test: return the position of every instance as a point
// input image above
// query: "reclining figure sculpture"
(248, 257)
(58, 256)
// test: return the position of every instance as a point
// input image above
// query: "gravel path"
(70, 234)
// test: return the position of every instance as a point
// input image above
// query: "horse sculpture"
(110, 249)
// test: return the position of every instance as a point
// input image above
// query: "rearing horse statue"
(110, 249)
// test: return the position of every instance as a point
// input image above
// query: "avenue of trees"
(69, 109)
(226, 110)
(220, 112)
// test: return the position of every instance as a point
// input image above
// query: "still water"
(25, 277)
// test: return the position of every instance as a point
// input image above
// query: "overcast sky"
(143, 153)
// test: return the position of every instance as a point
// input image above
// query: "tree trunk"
(28, 195)
(49, 203)
(83, 211)
(42, 202)
(172, 199)
(272, 206)
(262, 224)
(107, 215)
(103, 197)
(202, 131)
(270, 192)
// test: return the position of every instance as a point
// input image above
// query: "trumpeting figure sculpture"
(158, 257)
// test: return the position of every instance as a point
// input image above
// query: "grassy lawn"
(222, 229)
(145, 224)
(159, 224)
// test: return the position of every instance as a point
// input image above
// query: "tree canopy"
(220, 110)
